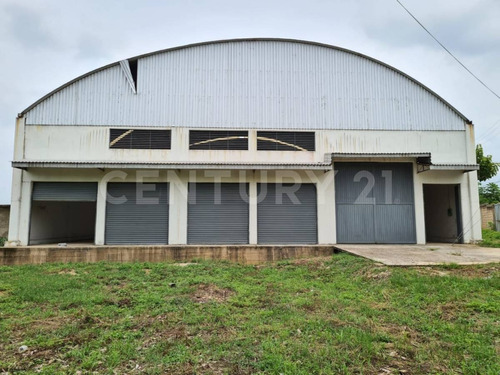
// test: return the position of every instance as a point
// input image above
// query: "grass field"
(491, 238)
(338, 315)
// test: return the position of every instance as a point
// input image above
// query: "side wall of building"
(4, 220)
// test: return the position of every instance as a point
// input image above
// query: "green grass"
(338, 315)
(491, 238)
(3, 240)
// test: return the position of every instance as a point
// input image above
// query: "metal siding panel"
(251, 85)
(355, 223)
(386, 215)
(65, 191)
(133, 222)
(218, 219)
(281, 220)
(395, 223)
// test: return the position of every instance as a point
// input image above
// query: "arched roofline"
(317, 44)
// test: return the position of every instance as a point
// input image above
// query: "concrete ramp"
(424, 255)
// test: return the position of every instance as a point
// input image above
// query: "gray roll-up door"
(287, 214)
(65, 191)
(375, 203)
(137, 213)
(218, 213)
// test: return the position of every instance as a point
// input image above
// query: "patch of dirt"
(449, 311)
(394, 330)
(71, 272)
(164, 334)
(375, 273)
(427, 271)
(147, 271)
(312, 263)
(214, 367)
(211, 293)
(50, 324)
(486, 271)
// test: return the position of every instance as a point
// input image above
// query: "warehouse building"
(248, 141)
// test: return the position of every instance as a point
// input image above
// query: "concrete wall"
(179, 186)
(4, 220)
(487, 215)
(91, 143)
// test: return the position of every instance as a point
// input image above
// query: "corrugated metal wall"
(375, 203)
(218, 214)
(251, 85)
(65, 191)
(133, 218)
(287, 214)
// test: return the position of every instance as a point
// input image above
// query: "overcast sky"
(45, 43)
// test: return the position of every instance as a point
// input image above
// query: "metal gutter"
(380, 155)
(455, 167)
(167, 166)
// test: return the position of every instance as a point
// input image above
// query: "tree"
(489, 194)
(487, 168)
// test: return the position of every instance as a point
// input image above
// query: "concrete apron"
(424, 255)
(244, 254)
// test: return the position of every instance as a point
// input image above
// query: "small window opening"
(133, 70)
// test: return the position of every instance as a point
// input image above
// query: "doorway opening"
(443, 216)
(63, 212)
(55, 222)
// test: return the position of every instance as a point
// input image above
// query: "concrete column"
(15, 207)
(419, 206)
(25, 213)
(178, 207)
(470, 143)
(325, 189)
(100, 218)
(180, 144)
(252, 220)
(252, 140)
(16, 192)
(476, 233)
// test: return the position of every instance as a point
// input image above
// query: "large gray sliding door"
(218, 213)
(375, 203)
(287, 214)
(137, 213)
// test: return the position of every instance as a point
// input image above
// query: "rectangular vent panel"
(140, 139)
(218, 140)
(285, 141)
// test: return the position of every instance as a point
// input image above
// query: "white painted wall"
(91, 143)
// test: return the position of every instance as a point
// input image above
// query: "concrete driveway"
(424, 255)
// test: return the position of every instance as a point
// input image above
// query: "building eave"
(169, 166)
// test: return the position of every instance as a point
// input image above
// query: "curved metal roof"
(257, 83)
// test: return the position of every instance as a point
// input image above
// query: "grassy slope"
(338, 315)
(491, 238)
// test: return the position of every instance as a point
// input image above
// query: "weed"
(334, 315)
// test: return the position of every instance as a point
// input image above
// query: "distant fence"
(4, 220)
(490, 216)
(497, 217)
